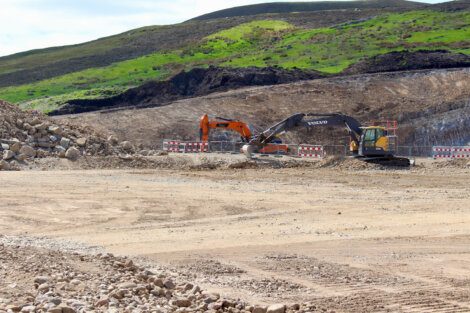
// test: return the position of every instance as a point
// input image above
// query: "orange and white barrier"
(172, 146)
(451, 152)
(185, 147)
(196, 147)
(311, 151)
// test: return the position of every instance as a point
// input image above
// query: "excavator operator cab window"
(380, 133)
(370, 137)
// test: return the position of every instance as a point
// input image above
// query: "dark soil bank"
(408, 61)
(197, 82)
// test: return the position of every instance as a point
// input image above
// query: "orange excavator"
(206, 125)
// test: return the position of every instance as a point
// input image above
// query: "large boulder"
(127, 146)
(65, 142)
(35, 121)
(56, 130)
(72, 153)
(260, 309)
(182, 302)
(16, 147)
(113, 140)
(60, 151)
(276, 308)
(8, 154)
(28, 151)
(81, 142)
(4, 166)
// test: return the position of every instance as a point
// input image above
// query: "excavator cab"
(374, 141)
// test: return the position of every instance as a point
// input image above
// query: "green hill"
(31, 66)
(260, 43)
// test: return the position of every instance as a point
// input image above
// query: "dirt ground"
(343, 240)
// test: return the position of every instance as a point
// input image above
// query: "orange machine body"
(206, 124)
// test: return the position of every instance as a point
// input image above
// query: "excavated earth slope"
(197, 82)
(200, 81)
(432, 107)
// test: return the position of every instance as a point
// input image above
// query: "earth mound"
(197, 82)
(407, 61)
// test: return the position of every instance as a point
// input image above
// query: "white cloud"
(33, 24)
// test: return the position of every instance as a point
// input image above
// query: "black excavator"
(371, 144)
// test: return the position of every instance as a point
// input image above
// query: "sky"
(34, 24)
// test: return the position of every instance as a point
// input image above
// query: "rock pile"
(28, 135)
(41, 280)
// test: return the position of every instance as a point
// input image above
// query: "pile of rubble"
(25, 136)
(41, 280)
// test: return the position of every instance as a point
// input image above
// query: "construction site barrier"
(450, 152)
(185, 147)
(311, 151)
(195, 147)
(316, 151)
(172, 146)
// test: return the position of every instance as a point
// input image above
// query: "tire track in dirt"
(339, 287)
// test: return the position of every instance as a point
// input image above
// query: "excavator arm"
(206, 124)
(300, 120)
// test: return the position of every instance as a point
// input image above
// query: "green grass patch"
(261, 43)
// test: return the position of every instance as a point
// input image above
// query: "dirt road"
(347, 241)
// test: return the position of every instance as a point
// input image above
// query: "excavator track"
(388, 161)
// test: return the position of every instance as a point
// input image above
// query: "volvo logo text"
(317, 123)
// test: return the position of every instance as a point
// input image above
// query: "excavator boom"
(298, 120)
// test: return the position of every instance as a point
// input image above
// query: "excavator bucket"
(248, 151)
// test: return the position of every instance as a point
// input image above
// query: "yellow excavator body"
(378, 139)
(383, 142)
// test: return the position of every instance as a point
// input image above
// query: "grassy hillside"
(261, 43)
(31, 66)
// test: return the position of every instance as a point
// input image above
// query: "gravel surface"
(47, 275)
